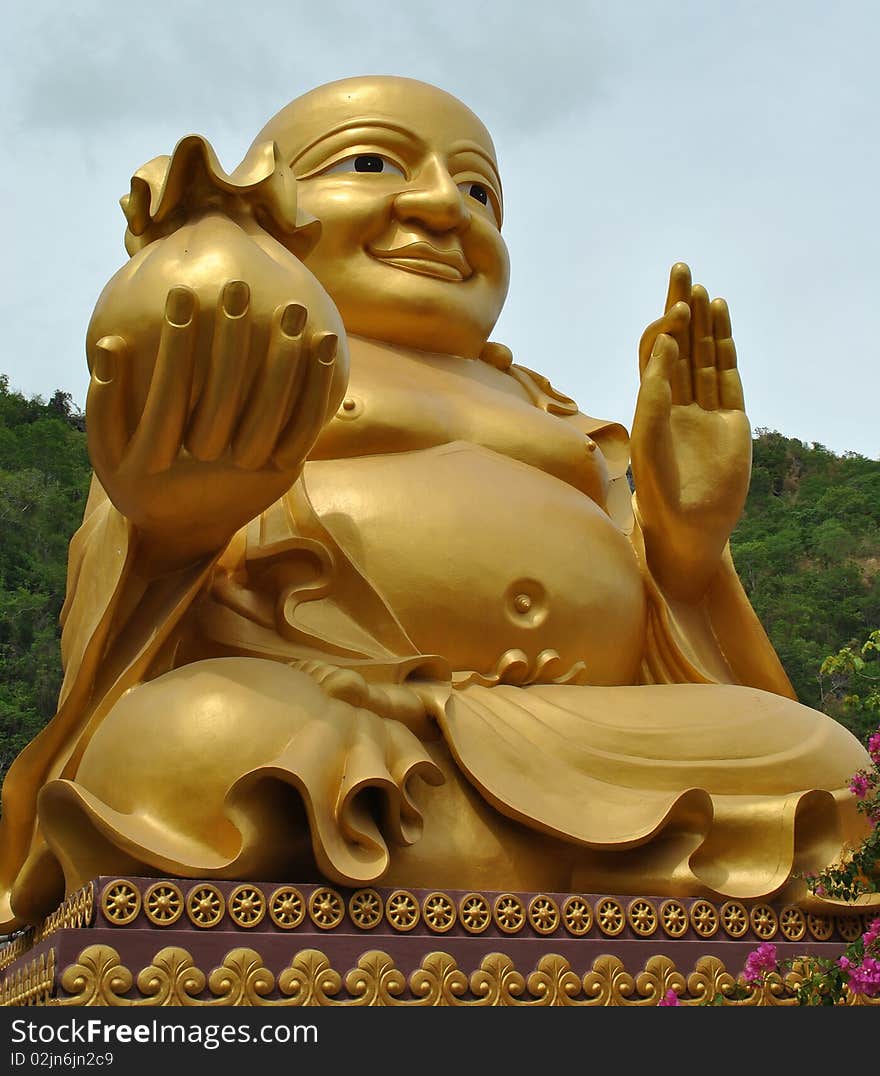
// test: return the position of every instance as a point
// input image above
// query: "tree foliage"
(808, 552)
(44, 475)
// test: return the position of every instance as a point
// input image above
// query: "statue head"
(404, 180)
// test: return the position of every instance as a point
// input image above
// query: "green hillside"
(807, 549)
(808, 552)
(44, 475)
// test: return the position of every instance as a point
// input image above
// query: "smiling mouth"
(426, 260)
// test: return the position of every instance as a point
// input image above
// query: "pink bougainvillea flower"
(860, 785)
(669, 998)
(864, 978)
(760, 961)
(874, 747)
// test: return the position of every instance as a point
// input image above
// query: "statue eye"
(480, 192)
(367, 162)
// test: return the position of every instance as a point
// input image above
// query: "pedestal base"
(147, 942)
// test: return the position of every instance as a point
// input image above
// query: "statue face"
(403, 178)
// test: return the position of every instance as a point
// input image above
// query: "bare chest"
(400, 402)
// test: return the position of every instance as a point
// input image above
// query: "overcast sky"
(740, 137)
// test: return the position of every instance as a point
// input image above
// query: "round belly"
(488, 562)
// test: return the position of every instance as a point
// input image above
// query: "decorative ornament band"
(31, 984)
(208, 905)
(100, 978)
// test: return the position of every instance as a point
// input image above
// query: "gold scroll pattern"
(100, 978)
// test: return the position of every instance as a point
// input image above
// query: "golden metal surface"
(438, 912)
(475, 913)
(543, 914)
(792, 924)
(247, 906)
(287, 907)
(76, 910)
(704, 918)
(673, 918)
(849, 927)
(509, 913)
(100, 978)
(292, 647)
(610, 917)
(121, 902)
(402, 910)
(764, 920)
(326, 908)
(577, 915)
(31, 984)
(365, 908)
(642, 917)
(163, 904)
(820, 926)
(734, 918)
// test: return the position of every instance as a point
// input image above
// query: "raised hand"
(197, 465)
(691, 439)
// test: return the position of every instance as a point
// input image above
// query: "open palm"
(691, 438)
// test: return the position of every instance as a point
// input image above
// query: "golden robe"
(449, 597)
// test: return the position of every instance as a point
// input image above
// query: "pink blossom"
(864, 978)
(860, 785)
(761, 960)
(669, 998)
(871, 934)
(874, 747)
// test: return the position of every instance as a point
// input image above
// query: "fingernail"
(293, 320)
(236, 296)
(179, 306)
(326, 349)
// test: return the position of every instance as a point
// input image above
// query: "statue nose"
(433, 200)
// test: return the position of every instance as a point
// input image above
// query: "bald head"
(389, 98)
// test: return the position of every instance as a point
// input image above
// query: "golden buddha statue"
(357, 597)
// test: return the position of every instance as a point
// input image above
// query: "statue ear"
(168, 190)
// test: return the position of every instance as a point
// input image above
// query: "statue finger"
(309, 410)
(722, 333)
(216, 412)
(277, 386)
(679, 289)
(683, 385)
(106, 428)
(662, 369)
(703, 372)
(157, 439)
(674, 322)
(730, 390)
